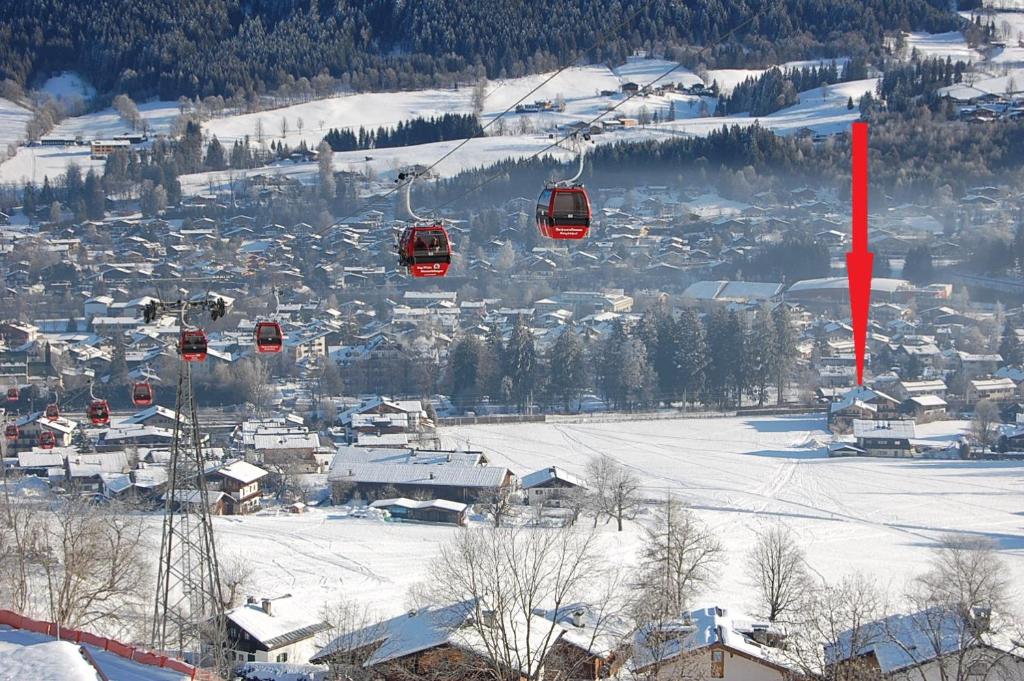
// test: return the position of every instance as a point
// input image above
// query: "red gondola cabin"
(47, 440)
(193, 345)
(52, 412)
(13, 395)
(11, 432)
(269, 337)
(98, 412)
(142, 394)
(425, 250)
(563, 212)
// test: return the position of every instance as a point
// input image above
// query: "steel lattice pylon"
(188, 616)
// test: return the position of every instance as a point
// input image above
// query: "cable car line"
(559, 141)
(602, 38)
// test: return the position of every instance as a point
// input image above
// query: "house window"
(251, 657)
(283, 657)
(717, 664)
(538, 492)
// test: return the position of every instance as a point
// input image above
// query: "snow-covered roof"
(28, 655)
(287, 622)
(900, 430)
(412, 474)
(242, 471)
(699, 629)
(600, 633)
(546, 475)
(878, 285)
(287, 441)
(432, 627)
(442, 504)
(983, 384)
(928, 401)
(902, 641)
(921, 387)
(391, 455)
(861, 395)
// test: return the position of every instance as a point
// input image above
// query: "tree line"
(776, 88)
(718, 359)
(169, 48)
(407, 133)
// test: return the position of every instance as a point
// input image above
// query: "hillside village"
(643, 455)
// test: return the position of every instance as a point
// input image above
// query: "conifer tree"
(568, 368)
(691, 355)
(521, 364)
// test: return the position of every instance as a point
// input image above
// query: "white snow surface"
(941, 45)
(68, 86)
(525, 134)
(13, 118)
(26, 655)
(738, 474)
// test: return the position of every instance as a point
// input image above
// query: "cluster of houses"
(585, 642)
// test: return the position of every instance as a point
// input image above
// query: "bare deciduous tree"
(497, 504)
(352, 629)
(680, 556)
(776, 563)
(835, 625)
(505, 576)
(960, 604)
(986, 416)
(85, 566)
(615, 490)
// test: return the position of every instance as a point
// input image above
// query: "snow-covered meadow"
(740, 473)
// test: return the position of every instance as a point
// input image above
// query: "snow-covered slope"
(880, 516)
(13, 118)
(941, 45)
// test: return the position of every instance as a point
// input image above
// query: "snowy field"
(879, 516)
(941, 45)
(13, 118)
(579, 87)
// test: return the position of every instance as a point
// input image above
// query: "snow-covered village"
(357, 341)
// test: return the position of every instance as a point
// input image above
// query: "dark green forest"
(170, 48)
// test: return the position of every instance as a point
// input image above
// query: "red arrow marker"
(859, 261)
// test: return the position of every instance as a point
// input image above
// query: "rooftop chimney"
(431, 475)
(268, 606)
(577, 618)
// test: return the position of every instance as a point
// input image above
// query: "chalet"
(428, 511)
(548, 485)
(974, 366)
(435, 641)
(191, 499)
(593, 643)
(884, 438)
(32, 425)
(861, 403)
(100, 149)
(937, 643)
(240, 481)
(145, 484)
(712, 643)
(467, 484)
(924, 408)
(906, 389)
(297, 450)
(998, 389)
(273, 630)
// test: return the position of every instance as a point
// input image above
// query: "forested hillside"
(241, 47)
